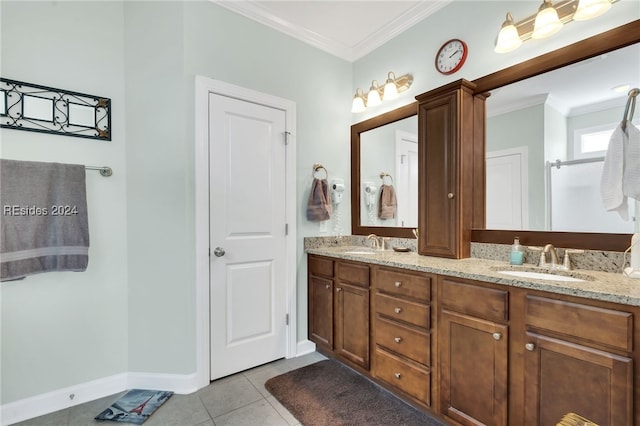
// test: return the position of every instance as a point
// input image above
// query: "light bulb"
(588, 9)
(508, 38)
(358, 102)
(390, 88)
(547, 21)
(373, 98)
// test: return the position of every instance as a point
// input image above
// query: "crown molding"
(254, 10)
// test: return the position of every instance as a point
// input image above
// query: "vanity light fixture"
(392, 87)
(373, 98)
(549, 19)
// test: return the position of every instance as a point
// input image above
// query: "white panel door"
(506, 195)
(407, 179)
(247, 234)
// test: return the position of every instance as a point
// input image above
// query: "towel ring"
(386, 175)
(318, 167)
(631, 102)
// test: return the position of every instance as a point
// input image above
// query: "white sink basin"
(359, 252)
(540, 276)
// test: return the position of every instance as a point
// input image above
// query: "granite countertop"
(606, 286)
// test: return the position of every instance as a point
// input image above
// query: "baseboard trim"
(305, 347)
(60, 399)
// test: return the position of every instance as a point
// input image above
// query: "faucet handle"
(566, 262)
(542, 262)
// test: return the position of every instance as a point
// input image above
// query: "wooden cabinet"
(577, 359)
(473, 343)
(478, 353)
(339, 308)
(320, 288)
(452, 142)
(351, 315)
(402, 332)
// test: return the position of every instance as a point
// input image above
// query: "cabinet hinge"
(286, 229)
(286, 319)
(286, 137)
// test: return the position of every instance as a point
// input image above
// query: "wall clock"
(451, 56)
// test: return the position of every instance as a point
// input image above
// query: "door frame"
(205, 86)
(523, 152)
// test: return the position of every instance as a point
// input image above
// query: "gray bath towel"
(44, 218)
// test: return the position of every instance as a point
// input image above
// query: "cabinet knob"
(398, 283)
(327, 286)
(397, 310)
(339, 289)
(398, 339)
(529, 346)
(398, 375)
(450, 195)
(497, 336)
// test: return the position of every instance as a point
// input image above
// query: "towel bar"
(104, 171)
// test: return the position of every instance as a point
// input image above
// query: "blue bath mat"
(135, 406)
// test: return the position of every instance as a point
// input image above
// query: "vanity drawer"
(404, 376)
(403, 310)
(404, 284)
(403, 340)
(320, 266)
(599, 325)
(353, 273)
(475, 300)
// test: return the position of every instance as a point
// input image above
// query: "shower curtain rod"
(104, 170)
(559, 163)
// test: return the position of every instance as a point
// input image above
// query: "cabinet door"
(473, 375)
(321, 311)
(352, 323)
(438, 222)
(563, 377)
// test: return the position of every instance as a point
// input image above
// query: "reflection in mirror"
(569, 115)
(373, 153)
(389, 166)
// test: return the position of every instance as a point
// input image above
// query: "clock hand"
(457, 51)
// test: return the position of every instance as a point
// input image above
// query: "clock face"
(451, 56)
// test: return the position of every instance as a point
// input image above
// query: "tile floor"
(239, 400)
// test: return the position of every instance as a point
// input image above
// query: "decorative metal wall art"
(26, 106)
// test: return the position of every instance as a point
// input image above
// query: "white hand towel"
(631, 175)
(611, 192)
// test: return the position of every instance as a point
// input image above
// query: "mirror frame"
(356, 129)
(614, 39)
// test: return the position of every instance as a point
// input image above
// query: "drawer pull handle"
(398, 375)
(327, 286)
(497, 336)
(398, 283)
(398, 339)
(397, 310)
(339, 289)
(530, 346)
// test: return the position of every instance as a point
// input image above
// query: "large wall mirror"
(538, 110)
(552, 108)
(384, 154)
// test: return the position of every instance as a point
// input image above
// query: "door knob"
(497, 336)
(398, 339)
(397, 310)
(219, 251)
(398, 375)
(450, 195)
(530, 346)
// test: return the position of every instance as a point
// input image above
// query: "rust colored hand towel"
(388, 204)
(319, 206)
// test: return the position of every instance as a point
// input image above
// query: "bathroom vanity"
(464, 341)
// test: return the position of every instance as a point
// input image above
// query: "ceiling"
(346, 29)
(352, 29)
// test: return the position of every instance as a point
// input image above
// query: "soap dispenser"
(517, 253)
